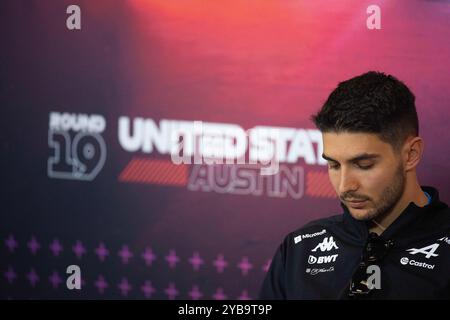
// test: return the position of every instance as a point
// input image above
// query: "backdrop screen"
(113, 112)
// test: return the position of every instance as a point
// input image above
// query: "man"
(393, 239)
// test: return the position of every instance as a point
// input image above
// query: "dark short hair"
(371, 103)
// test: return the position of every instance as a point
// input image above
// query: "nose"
(347, 182)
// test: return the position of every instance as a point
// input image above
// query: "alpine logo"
(323, 259)
(327, 244)
(445, 239)
(428, 251)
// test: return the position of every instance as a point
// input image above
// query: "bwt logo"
(323, 259)
(79, 151)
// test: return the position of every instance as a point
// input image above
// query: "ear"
(412, 152)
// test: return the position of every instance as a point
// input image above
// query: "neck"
(412, 193)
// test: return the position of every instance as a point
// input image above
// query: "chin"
(361, 214)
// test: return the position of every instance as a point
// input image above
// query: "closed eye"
(336, 166)
(367, 167)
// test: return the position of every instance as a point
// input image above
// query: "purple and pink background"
(250, 63)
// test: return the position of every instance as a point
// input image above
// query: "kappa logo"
(428, 251)
(327, 244)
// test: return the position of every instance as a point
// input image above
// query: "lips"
(357, 204)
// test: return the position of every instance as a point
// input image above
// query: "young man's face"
(365, 171)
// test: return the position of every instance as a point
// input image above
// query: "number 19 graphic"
(80, 158)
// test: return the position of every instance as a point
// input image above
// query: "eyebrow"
(362, 156)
